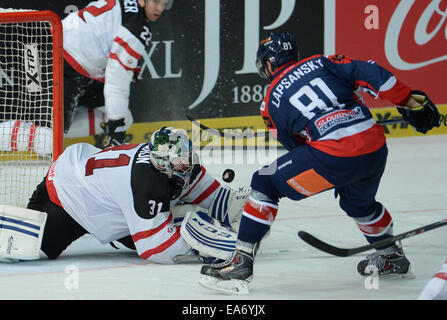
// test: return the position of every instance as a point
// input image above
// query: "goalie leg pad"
(21, 232)
(207, 238)
(228, 206)
(180, 211)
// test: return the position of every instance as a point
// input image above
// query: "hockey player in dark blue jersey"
(314, 108)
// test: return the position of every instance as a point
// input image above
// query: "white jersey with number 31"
(116, 192)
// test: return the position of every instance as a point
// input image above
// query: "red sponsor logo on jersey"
(52, 172)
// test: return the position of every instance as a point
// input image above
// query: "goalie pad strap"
(17, 225)
(228, 205)
(207, 238)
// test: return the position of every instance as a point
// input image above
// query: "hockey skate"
(388, 261)
(231, 276)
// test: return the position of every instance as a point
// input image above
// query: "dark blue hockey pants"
(306, 171)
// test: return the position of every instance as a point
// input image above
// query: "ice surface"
(413, 189)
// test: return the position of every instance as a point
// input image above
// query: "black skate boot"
(388, 261)
(231, 276)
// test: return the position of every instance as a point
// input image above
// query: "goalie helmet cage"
(31, 100)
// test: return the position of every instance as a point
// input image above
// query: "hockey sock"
(377, 226)
(256, 220)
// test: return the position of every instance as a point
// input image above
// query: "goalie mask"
(172, 153)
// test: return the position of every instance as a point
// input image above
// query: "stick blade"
(323, 246)
(346, 252)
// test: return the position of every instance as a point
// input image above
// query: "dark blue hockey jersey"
(317, 101)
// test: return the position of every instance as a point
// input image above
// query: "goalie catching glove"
(422, 118)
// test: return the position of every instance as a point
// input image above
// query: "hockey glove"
(115, 134)
(423, 118)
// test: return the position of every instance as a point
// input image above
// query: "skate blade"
(232, 287)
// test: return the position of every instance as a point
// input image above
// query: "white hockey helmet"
(172, 153)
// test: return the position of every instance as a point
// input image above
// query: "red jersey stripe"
(200, 178)
(148, 233)
(162, 247)
(356, 145)
(52, 194)
(205, 194)
(78, 68)
(364, 84)
(115, 57)
(398, 94)
(128, 48)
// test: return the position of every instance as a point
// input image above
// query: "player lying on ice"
(333, 142)
(132, 193)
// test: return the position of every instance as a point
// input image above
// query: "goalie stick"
(346, 252)
(251, 135)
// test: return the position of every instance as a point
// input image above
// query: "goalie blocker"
(21, 232)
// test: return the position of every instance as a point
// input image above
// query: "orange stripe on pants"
(309, 183)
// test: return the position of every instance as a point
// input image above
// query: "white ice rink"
(413, 189)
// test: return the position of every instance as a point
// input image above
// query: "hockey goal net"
(31, 97)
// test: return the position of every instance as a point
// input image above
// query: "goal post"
(31, 100)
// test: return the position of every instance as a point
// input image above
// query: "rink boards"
(252, 129)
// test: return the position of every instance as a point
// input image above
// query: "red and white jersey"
(436, 288)
(117, 192)
(105, 41)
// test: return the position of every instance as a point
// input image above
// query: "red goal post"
(31, 100)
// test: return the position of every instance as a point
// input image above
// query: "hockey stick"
(346, 252)
(391, 121)
(214, 131)
(201, 126)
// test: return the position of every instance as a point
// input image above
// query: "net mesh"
(26, 119)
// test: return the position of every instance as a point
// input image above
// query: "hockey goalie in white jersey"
(132, 193)
(103, 46)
